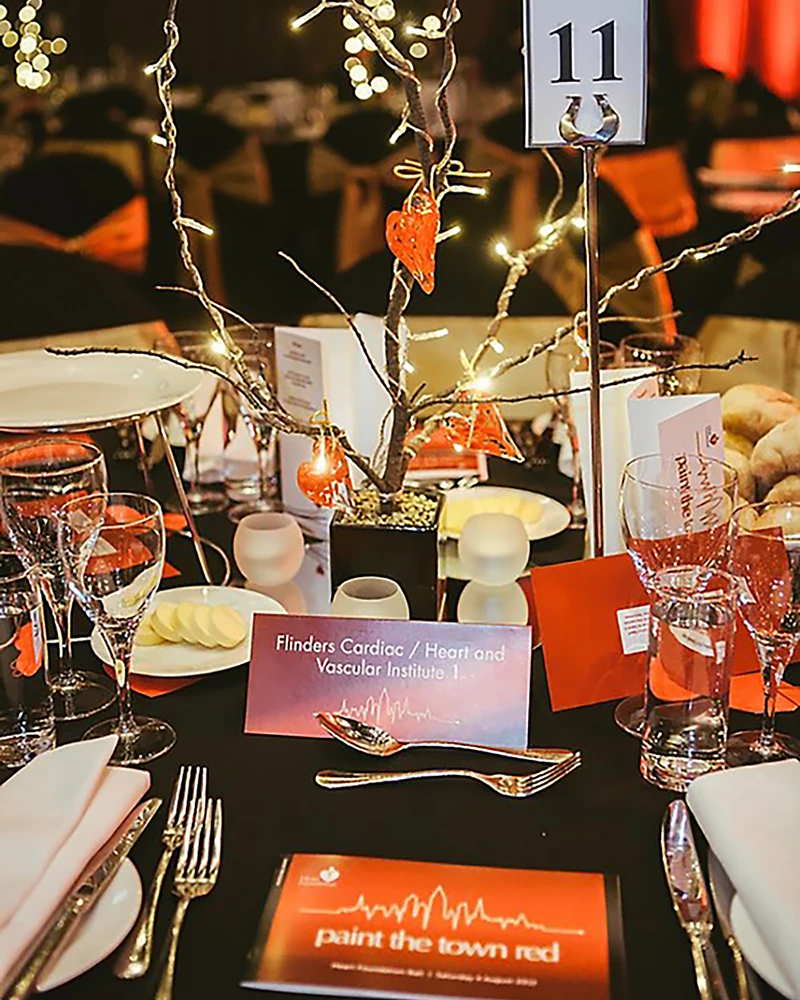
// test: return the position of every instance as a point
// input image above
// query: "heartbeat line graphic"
(454, 915)
(374, 710)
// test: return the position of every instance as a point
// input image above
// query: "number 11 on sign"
(578, 48)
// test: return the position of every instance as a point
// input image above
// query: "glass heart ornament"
(411, 236)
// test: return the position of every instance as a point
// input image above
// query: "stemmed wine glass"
(36, 479)
(258, 353)
(675, 510)
(192, 414)
(765, 556)
(562, 360)
(662, 350)
(114, 570)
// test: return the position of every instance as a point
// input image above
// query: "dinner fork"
(512, 785)
(189, 791)
(195, 875)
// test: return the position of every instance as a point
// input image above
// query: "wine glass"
(675, 510)
(567, 357)
(258, 353)
(192, 414)
(662, 350)
(765, 556)
(114, 570)
(36, 479)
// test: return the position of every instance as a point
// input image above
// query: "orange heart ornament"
(411, 236)
(325, 477)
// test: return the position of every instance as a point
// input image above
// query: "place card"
(589, 656)
(420, 680)
(349, 926)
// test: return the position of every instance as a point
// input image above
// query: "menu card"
(373, 927)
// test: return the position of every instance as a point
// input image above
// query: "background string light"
(360, 49)
(33, 52)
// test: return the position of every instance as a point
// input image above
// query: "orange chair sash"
(120, 239)
(655, 186)
(524, 211)
(362, 216)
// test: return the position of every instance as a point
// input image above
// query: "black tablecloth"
(602, 818)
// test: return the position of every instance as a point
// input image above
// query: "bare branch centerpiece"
(383, 527)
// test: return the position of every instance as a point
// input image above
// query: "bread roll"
(736, 442)
(786, 491)
(747, 484)
(753, 410)
(777, 454)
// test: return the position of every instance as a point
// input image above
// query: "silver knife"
(95, 878)
(690, 897)
(722, 893)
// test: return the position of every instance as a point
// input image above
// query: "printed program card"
(373, 927)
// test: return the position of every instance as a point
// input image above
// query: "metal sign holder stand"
(590, 146)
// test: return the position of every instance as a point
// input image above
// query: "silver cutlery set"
(378, 743)
(194, 829)
(693, 907)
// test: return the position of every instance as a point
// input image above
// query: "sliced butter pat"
(147, 636)
(202, 626)
(227, 626)
(162, 621)
(184, 622)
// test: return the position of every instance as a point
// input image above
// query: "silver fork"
(512, 785)
(195, 875)
(134, 959)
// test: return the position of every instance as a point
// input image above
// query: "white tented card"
(579, 48)
(634, 627)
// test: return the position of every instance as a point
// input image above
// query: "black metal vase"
(403, 546)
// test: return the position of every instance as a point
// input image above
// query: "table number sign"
(579, 48)
(469, 683)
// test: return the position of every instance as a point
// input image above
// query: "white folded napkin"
(55, 815)
(751, 819)
(238, 459)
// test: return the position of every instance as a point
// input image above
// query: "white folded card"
(751, 819)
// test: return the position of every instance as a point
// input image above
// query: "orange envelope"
(576, 607)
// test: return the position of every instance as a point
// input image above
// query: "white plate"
(554, 519)
(756, 951)
(180, 659)
(41, 391)
(103, 930)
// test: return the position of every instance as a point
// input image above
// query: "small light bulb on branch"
(579, 222)
(482, 384)
(501, 250)
(700, 255)
(408, 367)
(791, 168)
(497, 347)
(199, 227)
(448, 234)
(158, 140)
(547, 229)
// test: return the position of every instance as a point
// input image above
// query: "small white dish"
(180, 659)
(554, 515)
(102, 931)
(756, 951)
(49, 392)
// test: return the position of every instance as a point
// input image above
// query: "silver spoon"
(376, 741)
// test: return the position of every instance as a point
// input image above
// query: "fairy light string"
(443, 176)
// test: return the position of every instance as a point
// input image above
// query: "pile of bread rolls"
(762, 441)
